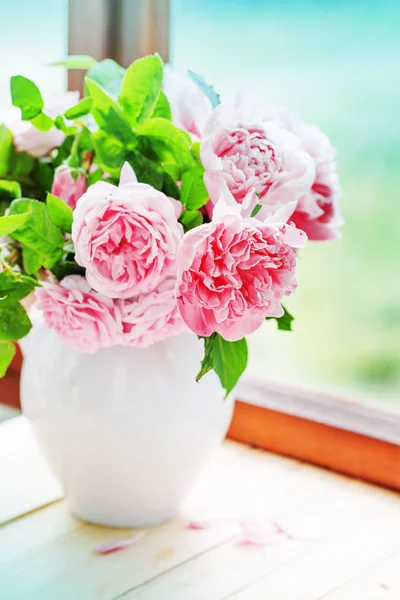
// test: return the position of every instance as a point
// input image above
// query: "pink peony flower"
(317, 211)
(126, 237)
(189, 105)
(66, 187)
(245, 154)
(29, 139)
(151, 317)
(234, 271)
(85, 319)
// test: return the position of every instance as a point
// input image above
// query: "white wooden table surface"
(345, 546)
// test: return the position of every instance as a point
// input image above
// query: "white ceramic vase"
(126, 430)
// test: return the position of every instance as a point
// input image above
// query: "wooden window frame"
(103, 29)
(348, 437)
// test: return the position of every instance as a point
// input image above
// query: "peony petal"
(198, 525)
(279, 217)
(226, 204)
(294, 237)
(116, 545)
(266, 534)
(127, 175)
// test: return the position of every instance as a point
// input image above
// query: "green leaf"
(162, 108)
(11, 189)
(107, 74)
(94, 176)
(169, 144)
(186, 135)
(42, 174)
(228, 359)
(196, 150)
(6, 148)
(42, 122)
(21, 164)
(108, 115)
(11, 223)
(85, 139)
(41, 240)
(14, 322)
(208, 89)
(76, 61)
(191, 219)
(109, 151)
(285, 321)
(60, 213)
(172, 169)
(208, 362)
(256, 210)
(64, 151)
(117, 126)
(170, 187)
(146, 170)
(7, 353)
(14, 287)
(82, 108)
(33, 260)
(26, 96)
(140, 89)
(61, 124)
(193, 191)
(101, 99)
(68, 267)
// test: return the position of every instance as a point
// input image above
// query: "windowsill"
(356, 417)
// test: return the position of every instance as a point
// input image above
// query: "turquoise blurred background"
(337, 63)
(33, 33)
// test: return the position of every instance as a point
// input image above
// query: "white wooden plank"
(43, 550)
(382, 582)
(349, 526)
(7, 412)
(39, 552)
(321, 570)
(231, 567)
(26, 482)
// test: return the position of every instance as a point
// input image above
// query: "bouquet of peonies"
(148, 208)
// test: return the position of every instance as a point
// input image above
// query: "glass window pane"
(33, 33)
(336, 63)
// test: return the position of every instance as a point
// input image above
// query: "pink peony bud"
(69, 184)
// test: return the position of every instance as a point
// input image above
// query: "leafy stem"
(73, 160)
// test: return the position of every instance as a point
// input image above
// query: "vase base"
(122, 523)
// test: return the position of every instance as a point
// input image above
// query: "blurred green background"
(337, 63)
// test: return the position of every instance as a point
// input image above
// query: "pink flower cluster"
(88, 321)
(281, 158)
(272, 183)
(127, 238)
